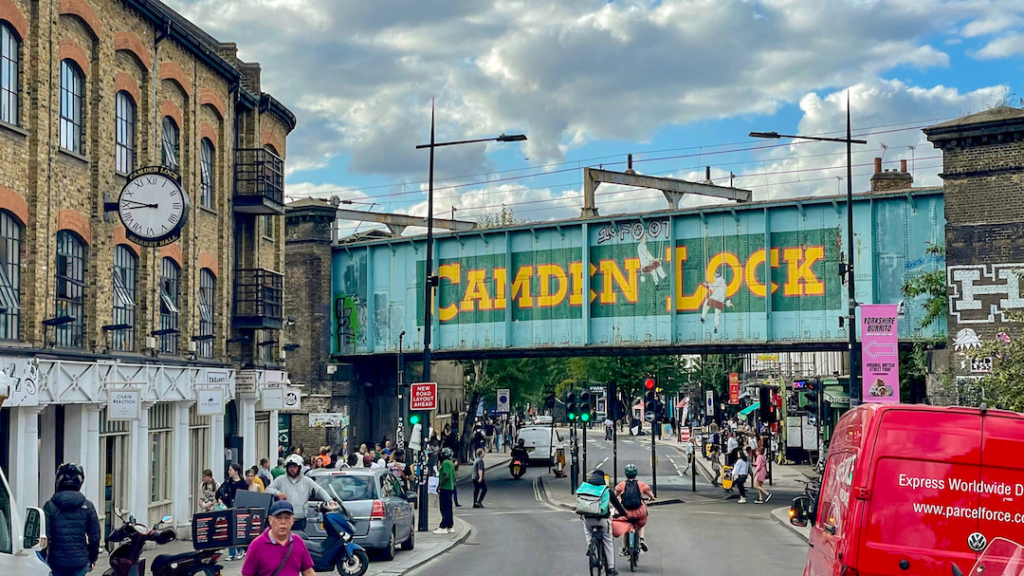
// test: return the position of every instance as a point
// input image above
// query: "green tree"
(932, 285)
(1004, 385)
(503, 219)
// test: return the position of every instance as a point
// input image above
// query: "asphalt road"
(519, 533)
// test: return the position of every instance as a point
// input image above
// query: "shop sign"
(245, 382)
(210, 401)
(273, 399)
(124, 404)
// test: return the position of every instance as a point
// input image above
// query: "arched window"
(169, 141)
(70, 301)
(207, 292)
(124, 143)
(72, 92)
(9, 70)
(170, 275)
(10, 276)
(206, 174)
(125, 267)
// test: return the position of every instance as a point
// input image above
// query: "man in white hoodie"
(297, 489)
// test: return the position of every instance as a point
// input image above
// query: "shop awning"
(750, 409)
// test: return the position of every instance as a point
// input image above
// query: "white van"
(19, 542)
(542, 442)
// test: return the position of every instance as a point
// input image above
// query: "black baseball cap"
(281, 507)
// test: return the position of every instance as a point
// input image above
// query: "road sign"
(710, 401)
(423, 396)
(649, 416)
(880, 343)
(504, 400)
(684, 434)
(734, 388)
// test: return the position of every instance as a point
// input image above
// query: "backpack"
(592, 501)
(631, 497)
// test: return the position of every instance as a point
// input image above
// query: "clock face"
(153, 207)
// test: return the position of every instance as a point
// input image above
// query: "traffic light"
(649, 383)
(414, 418)
(766, 411)
(651, 403)
(613, 401)
(585, 406)
(571, 410)
(809, 399)
(826, 413)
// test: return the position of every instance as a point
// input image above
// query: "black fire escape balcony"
(259, 182)
(258, 299)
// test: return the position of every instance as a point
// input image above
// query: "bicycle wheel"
(593, 558)
(634, 552)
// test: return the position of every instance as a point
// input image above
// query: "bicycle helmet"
(447, 453)
(631, 471)
(70, 476)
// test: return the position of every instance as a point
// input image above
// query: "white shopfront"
(143, 432)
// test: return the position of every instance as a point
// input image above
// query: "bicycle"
(805, 506)
(595, 553)
(632, 540)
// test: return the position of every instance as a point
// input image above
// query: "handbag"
(287, 553)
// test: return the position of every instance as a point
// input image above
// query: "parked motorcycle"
(337, 550)
(517, 467)
(126, 559)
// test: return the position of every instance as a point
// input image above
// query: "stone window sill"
(208, 210)
(13, 128)
(74, 155)
(269, 239)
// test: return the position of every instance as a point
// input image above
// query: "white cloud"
(1002, 47)
(360, 75)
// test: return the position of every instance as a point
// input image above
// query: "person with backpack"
(631, 494)
(594, 502)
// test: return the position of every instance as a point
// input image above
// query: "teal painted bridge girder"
(731, 277)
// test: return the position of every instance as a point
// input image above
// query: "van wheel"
(388, 553)
(411, 542)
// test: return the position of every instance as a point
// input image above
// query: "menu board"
(212, 529)
(257, 519)
(241, 526)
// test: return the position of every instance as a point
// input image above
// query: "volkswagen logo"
(976, 541)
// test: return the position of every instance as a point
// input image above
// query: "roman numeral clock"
(153, 207)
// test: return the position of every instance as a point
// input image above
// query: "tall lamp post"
(431, 279)
(851, 318)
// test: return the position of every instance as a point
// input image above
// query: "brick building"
(983, 180)
(365, 390)
(92, 90)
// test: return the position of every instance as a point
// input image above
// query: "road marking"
(602, 462)
(542, 498)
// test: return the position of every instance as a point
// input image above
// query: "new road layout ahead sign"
(423, 396)
(880, 349)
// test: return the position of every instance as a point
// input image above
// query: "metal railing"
(259, 172)
(258, 295)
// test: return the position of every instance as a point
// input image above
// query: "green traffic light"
(572, 416)
(414, 419)
(585, 417)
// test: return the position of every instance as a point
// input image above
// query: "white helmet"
(294, 459)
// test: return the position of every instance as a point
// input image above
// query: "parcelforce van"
(19, 542)
(912, 489)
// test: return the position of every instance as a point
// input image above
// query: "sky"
(677, 83)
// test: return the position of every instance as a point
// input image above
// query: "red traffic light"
(649, 383)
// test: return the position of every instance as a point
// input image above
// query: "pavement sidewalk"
(428, 545)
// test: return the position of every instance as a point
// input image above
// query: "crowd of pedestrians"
(745, 455)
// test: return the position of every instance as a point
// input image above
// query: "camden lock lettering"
(720, 275)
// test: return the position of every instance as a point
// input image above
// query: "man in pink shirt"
(278, 546)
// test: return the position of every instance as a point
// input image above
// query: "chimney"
(886, 181)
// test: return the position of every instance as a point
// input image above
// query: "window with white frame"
(9, 74)
(10, 276)
(125, 272)
(72, 94)
(70, 301)
(170, 147)
(124, 143)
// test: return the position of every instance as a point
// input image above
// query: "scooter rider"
(297, 489)
(519, 452)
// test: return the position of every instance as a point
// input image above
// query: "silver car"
(381, 512)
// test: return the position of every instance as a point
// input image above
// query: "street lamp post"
(431, 279)
(851, 318)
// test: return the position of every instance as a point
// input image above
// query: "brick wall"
(115, 46)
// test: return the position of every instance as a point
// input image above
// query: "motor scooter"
(126, 559)
(337, 550)
(517, 467)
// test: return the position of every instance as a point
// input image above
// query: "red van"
(912, 489)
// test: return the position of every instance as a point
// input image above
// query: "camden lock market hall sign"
(153, 207)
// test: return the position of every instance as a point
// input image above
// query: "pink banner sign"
(880, 353)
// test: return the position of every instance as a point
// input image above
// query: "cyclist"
(631, 494)
(597, 487)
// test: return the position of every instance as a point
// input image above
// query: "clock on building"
(153, 207)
